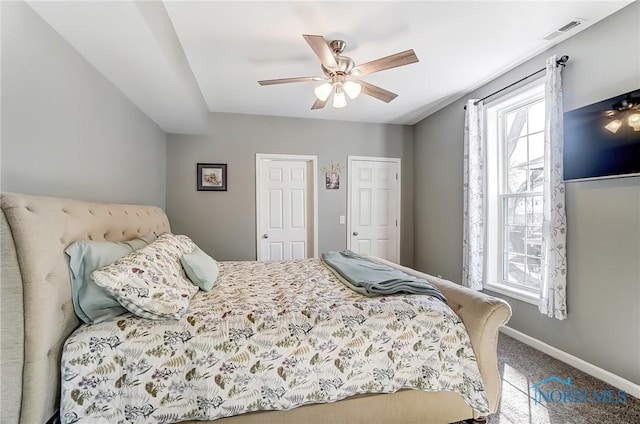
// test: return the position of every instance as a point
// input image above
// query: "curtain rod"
(560, 62)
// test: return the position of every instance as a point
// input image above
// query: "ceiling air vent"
(562, 30)
(569, 26)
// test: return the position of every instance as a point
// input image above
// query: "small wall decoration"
(332, 176)
(211, 176)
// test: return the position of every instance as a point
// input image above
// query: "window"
(515, 152)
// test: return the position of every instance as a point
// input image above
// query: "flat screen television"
(602, 140)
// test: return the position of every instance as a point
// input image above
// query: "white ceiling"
(177, 60)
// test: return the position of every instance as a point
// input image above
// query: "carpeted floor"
(522, 367)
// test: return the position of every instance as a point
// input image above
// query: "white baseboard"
(584, 366)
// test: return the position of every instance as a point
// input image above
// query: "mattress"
(270, 336)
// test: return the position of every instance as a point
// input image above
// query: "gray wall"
(603, 326)
(224, 223)
(66, 130)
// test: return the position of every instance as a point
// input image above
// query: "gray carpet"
(522, 367)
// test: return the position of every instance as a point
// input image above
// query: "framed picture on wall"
(211, 176)
(332, 181)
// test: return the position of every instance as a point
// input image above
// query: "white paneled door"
(286, 207)
(374, 207)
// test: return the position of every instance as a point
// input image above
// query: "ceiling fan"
(341, 73)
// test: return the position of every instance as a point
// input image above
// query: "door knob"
(265, 236)
(355, 233)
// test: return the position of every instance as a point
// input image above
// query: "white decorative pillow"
(149, 282)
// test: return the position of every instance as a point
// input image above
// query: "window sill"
(523, 295)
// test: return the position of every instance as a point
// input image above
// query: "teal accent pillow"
(92, 303)
(201, 269)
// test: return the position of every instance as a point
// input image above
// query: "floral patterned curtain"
(553, 290)
(474, 197)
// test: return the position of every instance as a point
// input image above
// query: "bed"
(36, 288)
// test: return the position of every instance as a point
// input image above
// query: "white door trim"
(314, 183)
(398, 161)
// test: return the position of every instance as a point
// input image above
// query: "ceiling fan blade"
(319, 104)
(388, 62)
(377, 92)
(322, 50)
(288, 80)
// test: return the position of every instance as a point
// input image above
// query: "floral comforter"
(270, 335)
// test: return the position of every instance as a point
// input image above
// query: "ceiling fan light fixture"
(323, 91)
(338, 68)
(353, 89)
(614, 125)
(339, 100)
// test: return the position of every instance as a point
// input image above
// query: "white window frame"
(496, 170)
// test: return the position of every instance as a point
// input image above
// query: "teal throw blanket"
(372, 278)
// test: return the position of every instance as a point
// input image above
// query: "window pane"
(514, 269)
(536, 117)
(515, 210)
(536, 179)
(516, 180)
(535, 210)
(515, 240)
(536, 150)
(517, 152)
(534, 248)
(533, 273)
(534, 241)
(516, 124)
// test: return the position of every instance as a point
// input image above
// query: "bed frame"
(37, 316)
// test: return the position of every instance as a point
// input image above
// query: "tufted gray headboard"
(36, 311)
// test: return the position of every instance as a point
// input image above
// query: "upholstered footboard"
(483, 315)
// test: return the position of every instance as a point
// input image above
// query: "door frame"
(398, 161)
(312, 212)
